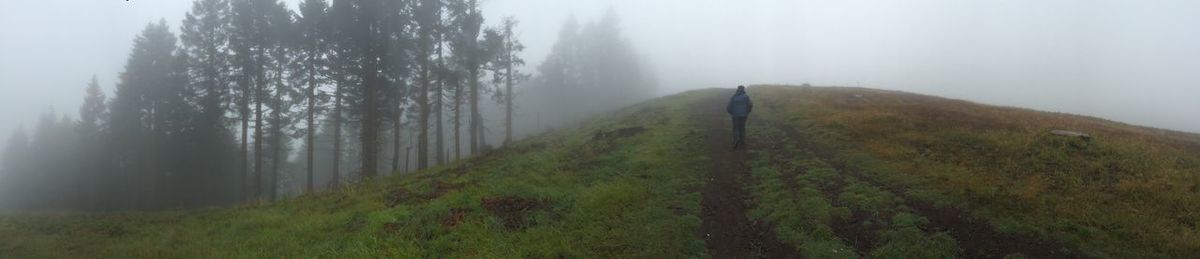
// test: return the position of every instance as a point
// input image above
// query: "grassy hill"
(830, 172)
(991, 178)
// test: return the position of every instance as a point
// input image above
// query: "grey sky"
(1130, 61)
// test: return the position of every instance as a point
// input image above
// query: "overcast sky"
(1130, 61)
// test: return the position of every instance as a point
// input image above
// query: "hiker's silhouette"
(739, 108)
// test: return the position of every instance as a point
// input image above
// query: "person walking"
(739, 108)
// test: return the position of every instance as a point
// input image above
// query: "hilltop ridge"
(829, 172)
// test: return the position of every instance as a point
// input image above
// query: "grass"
(1129, 192)
(794, 204)
(565, 194)
(906, 239)
(824, 213)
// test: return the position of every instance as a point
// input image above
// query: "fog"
(1130, 61)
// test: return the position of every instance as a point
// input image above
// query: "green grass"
(801, 216)
(795, 205)
(563, 194)
(906, 239)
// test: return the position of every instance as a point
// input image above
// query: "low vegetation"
(1127, 191)
(826, 213)
(834, 172)
(618, 186)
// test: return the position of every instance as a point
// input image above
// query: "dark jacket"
(739, 105)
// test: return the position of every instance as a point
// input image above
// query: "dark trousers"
(739, 131)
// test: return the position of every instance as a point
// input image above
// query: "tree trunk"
(276, 151)
(245, 117)
(276, 129)
(457, 118)
(473, 126)
(370, 119)
(337, 133)
(423, 121)
(396, 126)
(408, 152)
(312, 108)
(482, 137)
(508, 98)
(437, 107)
(258, 132)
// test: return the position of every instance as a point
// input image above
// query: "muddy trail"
(724, 226)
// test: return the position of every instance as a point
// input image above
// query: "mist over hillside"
(543, 128)
(826, 172)
(1127, 61)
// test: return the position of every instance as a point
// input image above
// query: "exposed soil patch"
(726, 230)
(391, 227)
(355, 222)
(456, 216)
(521, 149)
(589, 154)
(402, 196)
(397, 196)
(854, 230)
(513, 211)
(605, 141)
(489, 154)
(618, 133)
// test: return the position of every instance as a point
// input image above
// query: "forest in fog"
(250, 100)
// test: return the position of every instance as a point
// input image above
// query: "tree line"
(211, 116)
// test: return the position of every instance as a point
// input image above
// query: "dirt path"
(726, 230)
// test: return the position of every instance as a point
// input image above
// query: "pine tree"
(427, 18)
(398, 25)
(93, 112)
(344, 60)
(257, 47)
(148, 115)
(371, 36)
(205, 36)
(312, 50)
(93, 115)
(245, 39)
(281, 95)
(506, 68)
(467, 44)
(441, 71)
(591, 69)
(14, 169)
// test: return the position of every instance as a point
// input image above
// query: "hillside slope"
(829, 172)
(618, 185)
(978, 180)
